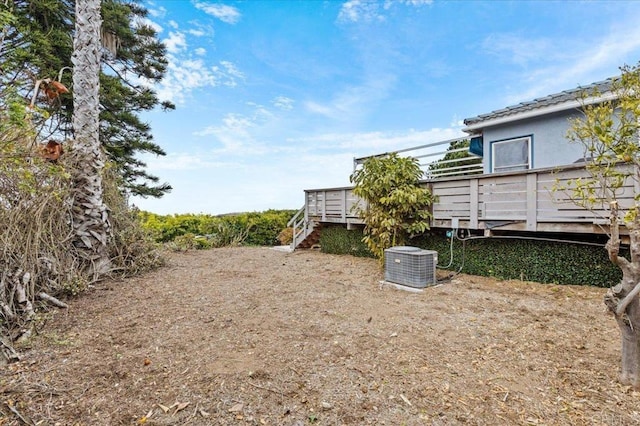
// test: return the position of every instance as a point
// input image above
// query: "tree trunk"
(90, 216)
(622, 300)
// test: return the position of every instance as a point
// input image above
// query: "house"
(532, 135)
(525, 152)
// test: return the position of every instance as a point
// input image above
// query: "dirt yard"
(255, 336)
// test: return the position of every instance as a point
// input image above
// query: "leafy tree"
(457, 150)
(397, 207)
(609, 133)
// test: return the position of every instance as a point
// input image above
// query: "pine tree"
(38, 44)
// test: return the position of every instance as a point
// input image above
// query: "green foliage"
(530, 260)
(37, 43)
(339, 240)
(397, 207)
(540, 261)
(286, 236)
(457, 150)
(253, 228)
(608, 131)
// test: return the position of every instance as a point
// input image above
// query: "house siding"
(550, 146)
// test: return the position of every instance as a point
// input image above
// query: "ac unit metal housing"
(410, 266)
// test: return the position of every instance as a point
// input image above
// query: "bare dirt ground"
(253, 336)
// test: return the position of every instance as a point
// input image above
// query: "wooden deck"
(514, 201)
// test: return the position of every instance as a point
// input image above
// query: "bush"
(502, 258)
(254, 228)
(286, 236)
(339, 240)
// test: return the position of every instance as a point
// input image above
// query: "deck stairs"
(306, 232)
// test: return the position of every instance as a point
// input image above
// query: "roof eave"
(575, 104)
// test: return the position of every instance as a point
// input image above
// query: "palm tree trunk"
(90, 216)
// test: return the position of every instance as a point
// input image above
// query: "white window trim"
(527, 165)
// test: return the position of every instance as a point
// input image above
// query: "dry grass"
(256, 336)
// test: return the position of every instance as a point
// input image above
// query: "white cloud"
(389, 3)
(157, 12)
(368, 11)
(173, 24)
(200, 51)
(579, 63)
(370, 143)
(175, 42)
(358, 11)
(228, 14)
(234, 135)
(517, 49)
(352, 103)
(184, 76)
(182, 161)
(282, 102)
(196, 33)
(232, 72)
(146, 21)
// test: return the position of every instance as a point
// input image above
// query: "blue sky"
(274, 97)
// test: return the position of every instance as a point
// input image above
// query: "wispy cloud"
(284, 103)
(157, 11)
(578, 63)
(369, 143)
(240, 133)
(359, 11)
(186, 75)
(354, 102)
(370, 11)
(175, 42)
(516, 49)
(184, 161)
(227, 14)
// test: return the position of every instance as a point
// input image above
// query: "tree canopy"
(397, 207)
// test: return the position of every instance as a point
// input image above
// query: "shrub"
(286, 236)
(502, 258)
(242, 228)
(339, 240)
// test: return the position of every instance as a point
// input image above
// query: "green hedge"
(338, 240)
(502, 258)
(255, 228)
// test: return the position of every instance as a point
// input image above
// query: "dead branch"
(9, 354)
(26, 420)
(55, 302)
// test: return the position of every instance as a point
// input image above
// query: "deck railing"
(438, 159)
(522, 201)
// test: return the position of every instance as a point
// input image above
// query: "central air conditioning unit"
(410, 266)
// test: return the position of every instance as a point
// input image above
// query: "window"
(511, 154)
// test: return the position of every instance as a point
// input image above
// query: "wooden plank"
(503, 180)
(532, 206)
(464, 198)
(463, 207)
(450, 191)
(458, 183)
(473, 204)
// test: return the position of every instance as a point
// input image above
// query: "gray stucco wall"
(550, 146)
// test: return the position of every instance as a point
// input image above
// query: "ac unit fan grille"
(410, 266)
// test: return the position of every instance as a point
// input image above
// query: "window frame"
(527, 166)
